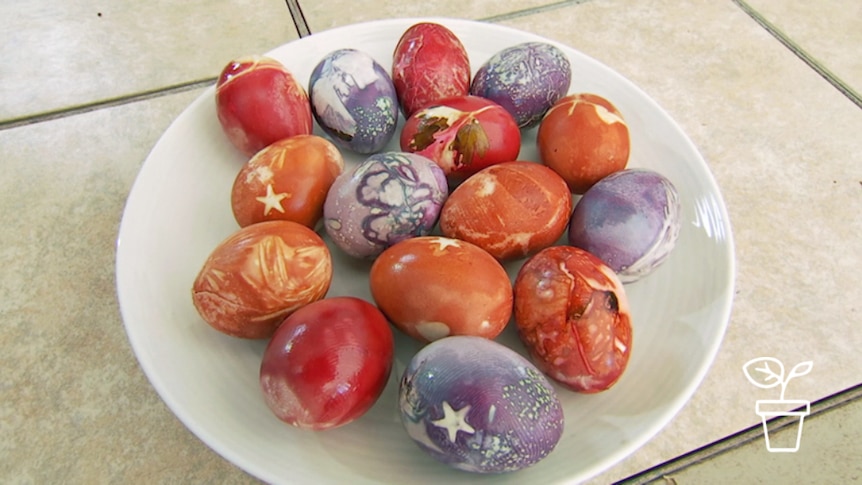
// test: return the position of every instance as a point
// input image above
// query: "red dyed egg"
(572, 314)
(429, 64)
(258, 102)
(463, 135)
(510, 209)
(584, 138)
(327, 364)
(432, 287)
(287, 180)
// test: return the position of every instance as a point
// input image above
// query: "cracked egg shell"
(573, 315)
(389, 197)
(478, 406)
(630, 220)
(354, 101)
(432, 287)
(259, 275)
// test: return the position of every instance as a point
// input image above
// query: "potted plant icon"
(766, 373)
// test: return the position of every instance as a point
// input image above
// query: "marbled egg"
(479, 406)
(388, 198)
(354, 101)
(630, 220)
(526, 79)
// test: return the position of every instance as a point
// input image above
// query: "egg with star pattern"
(478, 406)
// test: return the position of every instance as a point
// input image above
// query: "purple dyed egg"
(478, 406)
(386, 199)
(526, 79)
(630, 220)
(354, 101)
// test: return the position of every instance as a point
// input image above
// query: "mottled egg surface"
(526, 79)
(630, 220)
(478, 406)
(354, 101)
(386, 199)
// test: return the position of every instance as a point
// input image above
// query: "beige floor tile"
(830, 31)
(326, 14)
(828, 453)
(75, 406)
(60, 53)
(790, 176)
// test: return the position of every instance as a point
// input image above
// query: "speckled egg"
(526, 79)
(354, 101)
(479, 406)
(386, 199)
(630, 220)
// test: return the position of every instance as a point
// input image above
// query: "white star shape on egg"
(272, 200)
(445, 242)
(454, 421)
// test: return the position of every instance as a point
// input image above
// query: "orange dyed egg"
(432, 287)
(259, 275)
(287, 180)
(584, 138)
(510, 210)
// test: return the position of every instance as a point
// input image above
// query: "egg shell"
(432, 287)
(259, 275)
(573, 315)
(584, 138)
(630, 220)
(526, 79)
(478, 406)
(429, 63)
(510, 209)
(287, 180)
(389, 197)
(354, 101)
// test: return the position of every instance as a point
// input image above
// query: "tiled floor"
(766, 89)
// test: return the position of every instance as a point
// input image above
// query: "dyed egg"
(510, 209)
(258, 102)
(630, 220)
(287, 180)
(584, 138)
(463, 135)
(525, 79)
(429, 64)
(432, 287)
(259, 275)
(389, 197)
(354, 101)
(327, 364)
(573, 315)
(478, 406)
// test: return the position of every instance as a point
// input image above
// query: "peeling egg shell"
(478, 406)
(630, 220)
(433, 287)
(525, 79)
(573, 315)
(510, 209)
(354, 101)
(389, 197)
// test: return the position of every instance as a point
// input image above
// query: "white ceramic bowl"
(179, 209)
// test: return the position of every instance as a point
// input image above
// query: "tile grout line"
(532, 10)
(299, 21)
(799, 52)
(105, 103)
(731, 442)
